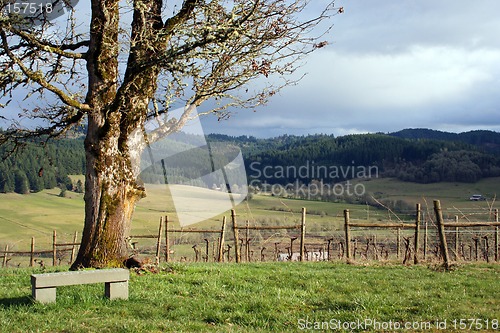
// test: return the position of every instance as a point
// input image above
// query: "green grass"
(38, 214)
(23, 216)
(269, 297)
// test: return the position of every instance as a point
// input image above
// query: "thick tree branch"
(37, 77)
(102, 64)
(187, 9)
(50, 47)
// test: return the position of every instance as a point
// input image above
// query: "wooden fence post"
(496, 236)
(207, 249)
(73, 249)
(167, 247)
(228, 253)
(476, 247)
(248, 251)
(355, 248)
(302, 235)
(442, 235)
(417, 234)
(426, 237)
(158, 243)
(32, 252)
(196, 252)
(236, 237)
(330, 250)
(221, 242)
(54, 248)
(4, 263)
(486, 249)
(292, 239)
(456, 238)
(399, 243)
(347, 235)
(247, 241)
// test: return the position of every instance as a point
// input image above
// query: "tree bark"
(111, 193)
(113, 142)
(107, 208)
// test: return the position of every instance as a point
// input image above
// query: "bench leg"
(44, 295)
(116, 290)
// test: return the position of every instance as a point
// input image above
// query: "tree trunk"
(111, 193)
(114, 139)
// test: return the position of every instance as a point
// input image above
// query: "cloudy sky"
(391, 65)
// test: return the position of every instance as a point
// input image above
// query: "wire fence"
(359, 235)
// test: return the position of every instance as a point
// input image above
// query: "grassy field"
(450, 194)
(265, 297)
(38, 214)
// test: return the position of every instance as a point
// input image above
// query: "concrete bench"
(43, 286)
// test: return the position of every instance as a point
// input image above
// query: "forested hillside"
(37, 166)
(416, 159)
(415, 155)
(485, 140)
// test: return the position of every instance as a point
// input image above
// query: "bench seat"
(43, 286)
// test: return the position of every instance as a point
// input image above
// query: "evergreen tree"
(49, 178)
(21, 184)
(35, 180)
(6, 179)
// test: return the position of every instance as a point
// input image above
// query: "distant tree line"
(38, 166)
(409, 155)
(449, 166)
(416, 160)
(487, 141)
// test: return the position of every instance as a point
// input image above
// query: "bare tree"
(135, 61)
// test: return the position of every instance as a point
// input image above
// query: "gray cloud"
(393, 64)
(390, 65)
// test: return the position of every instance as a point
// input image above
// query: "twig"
(388, 209)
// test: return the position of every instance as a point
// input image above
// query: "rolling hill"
(414, 155)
